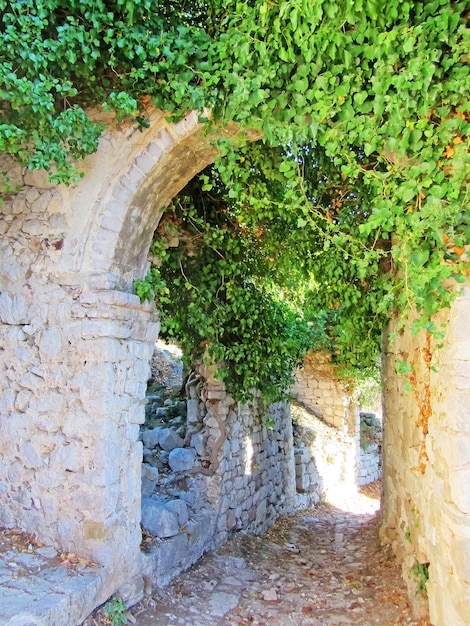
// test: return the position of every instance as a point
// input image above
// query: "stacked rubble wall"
(231, 473)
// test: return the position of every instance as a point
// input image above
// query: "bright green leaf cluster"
(363, 172)
(220, 293)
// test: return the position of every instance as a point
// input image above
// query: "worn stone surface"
(39, 587)
(298, 574)
(426, 480)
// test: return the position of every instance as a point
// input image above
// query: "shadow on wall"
(326, 458)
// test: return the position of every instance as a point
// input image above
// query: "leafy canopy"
(241, 284)
(363, 107)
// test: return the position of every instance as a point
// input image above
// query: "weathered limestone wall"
(370, 448)
(70, 467)
(330, 431)
(75, 342)
(318, 388)
(326, 459)
(370, 466)
(254, 464)
(426, 511)
(240, 477)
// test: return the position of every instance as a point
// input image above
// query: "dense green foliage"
(222, 293)
(242, 283)
(363, 170)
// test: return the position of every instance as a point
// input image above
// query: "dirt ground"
(321, 567)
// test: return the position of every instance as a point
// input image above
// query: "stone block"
(201, 529)
(180, 508)
(155, 150)
(13, 602)
(132, 591)
(169, 440)
(145, 162)
(197, 442)
(162, 412)
(151, 438)
(149, 479)
(215, 394)
(172, 556)
(231, 519)
(158, 520)
(33, 227)
(38, 178)
(455, 449)
(192, 411)
(459, 481)
(52, 403)
(47, 552)
(13, 309)
(29, 455)
(140, 350)
(182, 459)
(50, 343)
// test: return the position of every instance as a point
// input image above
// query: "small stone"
(151, 437)
(222, 603)
(270, 595)
(209, 585)
(47, 552)
(169, 440)
(181, 459)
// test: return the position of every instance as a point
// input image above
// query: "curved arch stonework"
(117, 206)
(76, 342)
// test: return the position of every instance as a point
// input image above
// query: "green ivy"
(221, 295)
(362, 175)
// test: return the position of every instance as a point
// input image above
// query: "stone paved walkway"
(321, 567)
(39, 587)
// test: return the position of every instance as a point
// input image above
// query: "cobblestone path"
(322, 567)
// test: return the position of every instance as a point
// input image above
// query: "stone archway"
(76, 341)
(74, 349)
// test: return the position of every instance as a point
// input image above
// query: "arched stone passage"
(76, 341)
(74, 349)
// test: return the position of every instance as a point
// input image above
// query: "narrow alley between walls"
(317, 567)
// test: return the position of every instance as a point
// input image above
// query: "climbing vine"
(222, 295)
(363, 110)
